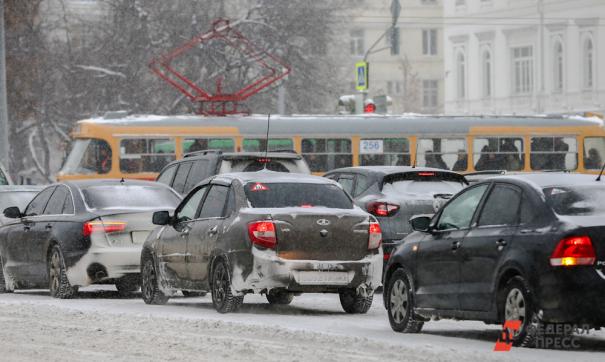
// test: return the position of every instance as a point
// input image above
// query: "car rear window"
(424, 182)
(280, 195)
(129, 197)
(576, 200)
(253, 165)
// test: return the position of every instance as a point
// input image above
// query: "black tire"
(190, 294)
(4, 285)
(128, 284)
(280, 297)
(517, 303)
(399, 301)
(150, 290)
(57, 276)
(354, 303)
(222, 297)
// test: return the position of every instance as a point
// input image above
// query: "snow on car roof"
(389, 170)
(547, 179)
(272, 176)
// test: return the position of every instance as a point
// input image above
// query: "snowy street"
(99, 325)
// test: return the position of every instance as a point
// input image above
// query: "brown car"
(264, 232)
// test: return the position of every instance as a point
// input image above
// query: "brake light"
(382, 208)
(258, 187)
(375, 236)
(574, 250)
(264, 160)
(426, 174)
(262, 233)
(92, 227)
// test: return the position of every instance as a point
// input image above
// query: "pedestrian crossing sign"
(362, 76)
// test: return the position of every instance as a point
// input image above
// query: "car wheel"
(128, 284)
(4, 285)
(189, 294)
(58, 283)
(400, 304)
(355, 303)
(222, 297)
(150, 289)
(280, 297)
(518, 305)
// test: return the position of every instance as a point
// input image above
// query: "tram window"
(324, 154)
(594, 149)
(200, 144)
(554, 153)
(444, 153)
(498, 153)
(145, 154)
(88, 156)
(384, 151)
(275, 144)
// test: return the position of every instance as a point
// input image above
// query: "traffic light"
(369, 107)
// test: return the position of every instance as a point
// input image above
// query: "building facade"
(524, 56)
(411, 72)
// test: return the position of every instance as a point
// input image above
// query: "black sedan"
(527, 248)
(79, 233)
(274, 233)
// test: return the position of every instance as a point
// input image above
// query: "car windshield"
(576, 200)
(280, 195)
(16, 198)
(130, 197)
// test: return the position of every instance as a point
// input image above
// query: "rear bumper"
(270, 271)
(574, 295)
(100, 263)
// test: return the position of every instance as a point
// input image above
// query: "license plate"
(139, 237)
(322, 278)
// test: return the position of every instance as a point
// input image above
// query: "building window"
(523, 70)
(486, 61)
(429, 42)
(460, 75)
(558, 70)
(430, 94)
(357, 42)
(588, 64)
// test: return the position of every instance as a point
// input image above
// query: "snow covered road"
(99, 325)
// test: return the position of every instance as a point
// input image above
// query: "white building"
(412, 74)
(502, 56)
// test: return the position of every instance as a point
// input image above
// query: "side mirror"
(161, 218)
(420, 222)
(12, 212)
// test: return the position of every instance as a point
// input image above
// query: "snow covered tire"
(516, 303)
(4, 285)
(400, 304)
(280, 297)
(57, 276)
(222, 297)
(150, 290)
(354, 303)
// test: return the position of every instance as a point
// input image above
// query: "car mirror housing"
(12, 212)
(161, 218)
(421, 222)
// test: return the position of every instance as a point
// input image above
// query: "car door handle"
(27, 228)
(48, 227)
(501, 242)
(213, 230)
(455, 245)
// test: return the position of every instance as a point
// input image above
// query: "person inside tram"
(104, 164)
(461, 163)
(593, 161)
(198, 145)
(433, 159)
(558, 159)
(488, 160)
(511, 157)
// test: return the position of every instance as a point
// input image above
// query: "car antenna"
(267, 141)
(601, 173)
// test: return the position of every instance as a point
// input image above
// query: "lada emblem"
(323, 222)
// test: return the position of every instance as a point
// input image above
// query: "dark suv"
(183, 174)
(393, 194)
(264, 232)
(529, 249)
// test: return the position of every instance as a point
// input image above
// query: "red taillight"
(426, 174)
(262, 233)
(386, 257)
(377, 208)
(375, 236)
(369, 108)
(92, 227)
(574, 250)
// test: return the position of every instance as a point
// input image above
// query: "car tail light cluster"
(574, 250)
(107, 227)
(262, 233)
(375, 236)
(378, 208)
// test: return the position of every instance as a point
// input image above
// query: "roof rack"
(202, 153)
(486, 172)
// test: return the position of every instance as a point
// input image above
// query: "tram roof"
(346, 124)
